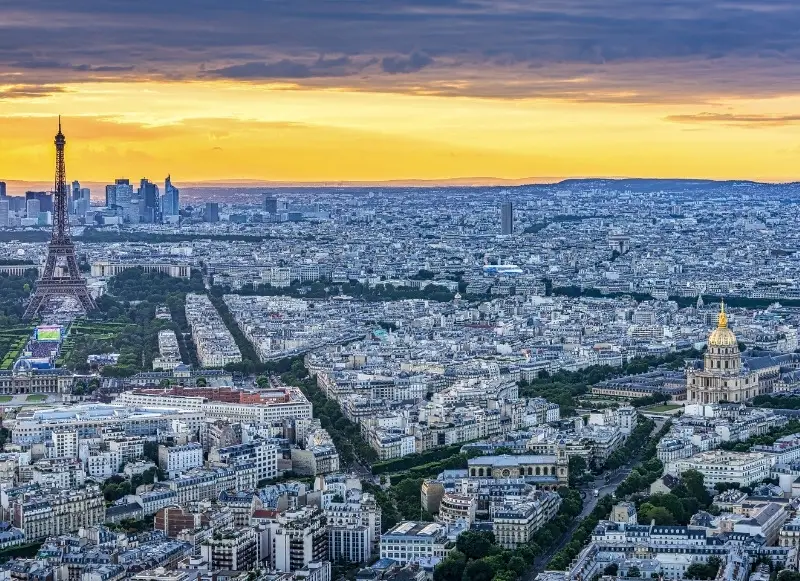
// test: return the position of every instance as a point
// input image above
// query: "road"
(589, 504)
(604, 488)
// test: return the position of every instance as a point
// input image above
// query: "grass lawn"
(663, 408)
(36, 397)
(5, 398)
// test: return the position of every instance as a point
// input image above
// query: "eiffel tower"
(60, 250)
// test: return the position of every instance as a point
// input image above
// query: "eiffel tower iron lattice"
(60, 250)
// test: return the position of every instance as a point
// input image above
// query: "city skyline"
(419, 90)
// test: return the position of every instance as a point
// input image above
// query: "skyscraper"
(170, 201)
(3, 211)
(111, 196)
(74, 196)
(271, 205)
(124, 191)
(148, 194)
(120, 196)
(79, 199)
(32, 208)
(211, 213)
(506, 218)
(45, 200)
(2, 189)
(86, 201)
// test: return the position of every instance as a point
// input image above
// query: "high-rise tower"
(60, 251)
(506, 218)
(170, 202)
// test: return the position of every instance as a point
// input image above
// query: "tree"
(694, 483)
(151, 451)
(723, 486)
(787, 575)
(517, 564)
(577, 470)
(649, 513)
(634, 572)
(703, 570)
(477, 571)
(201, 382)
(505, 575)
(611, 570)
(475, 544)
(451, 568)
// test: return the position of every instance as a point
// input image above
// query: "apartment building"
(363, 511)
(64, 444)
(175, 460)
(789, 535)
(298, 538)
(259, 452)
(102, 464)
(169, 354)
(516, 522)
(411, 541)
(198, 484)
(743, 468)
(321, 459)
(90, 420)
(349, 543)
(454, 506)
(215, 344)
(232, 549)
(294, 405)
(41, 512)
(129, 448)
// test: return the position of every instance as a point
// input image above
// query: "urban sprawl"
(588, 380)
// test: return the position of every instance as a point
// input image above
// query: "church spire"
(723, 318)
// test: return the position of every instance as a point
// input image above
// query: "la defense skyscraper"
(506, 218)
(170, 201)
(61, 250)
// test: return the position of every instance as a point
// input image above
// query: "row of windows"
(538, 471)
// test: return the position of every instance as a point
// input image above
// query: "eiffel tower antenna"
(60, 249)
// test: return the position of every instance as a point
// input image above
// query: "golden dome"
(722, 336)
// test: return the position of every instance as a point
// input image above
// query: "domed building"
(723, 377)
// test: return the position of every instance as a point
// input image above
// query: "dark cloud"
(617, 50)
(39, 64)
(414, 62)
(29, 91)
(737, 120)
(286, 69)
(56, 65)
(104, 68)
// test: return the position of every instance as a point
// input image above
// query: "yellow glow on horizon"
(221, 130)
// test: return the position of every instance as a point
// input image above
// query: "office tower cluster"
(142, 205)
(123, 204)
(79, 200)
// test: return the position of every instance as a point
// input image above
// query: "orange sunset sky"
(314, 90)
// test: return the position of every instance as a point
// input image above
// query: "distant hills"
(17, 187)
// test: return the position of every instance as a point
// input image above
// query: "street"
(615, 478)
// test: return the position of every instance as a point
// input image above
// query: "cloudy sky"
(322, 90)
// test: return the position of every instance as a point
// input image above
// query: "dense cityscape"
(585, 380)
